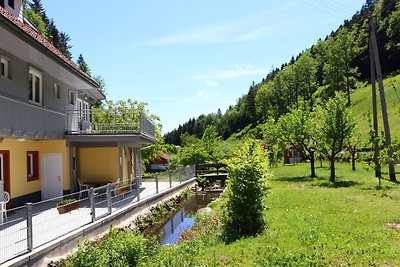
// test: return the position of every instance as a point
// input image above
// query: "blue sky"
(186, 58)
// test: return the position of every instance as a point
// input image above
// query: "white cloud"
(238, 71)
(203, 95)
(235, 31)
(211, 83)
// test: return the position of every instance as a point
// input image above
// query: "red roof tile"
(42, 40)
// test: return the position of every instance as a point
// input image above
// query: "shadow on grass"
(297, 179)
(338, 184)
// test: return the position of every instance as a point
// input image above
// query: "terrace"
(90, 122)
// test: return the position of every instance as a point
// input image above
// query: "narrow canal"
(170, 231)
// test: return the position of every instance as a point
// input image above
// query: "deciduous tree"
(335, 125)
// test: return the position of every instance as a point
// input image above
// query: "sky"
(187, 58)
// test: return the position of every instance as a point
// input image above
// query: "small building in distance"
(293, 155)
(160, 164)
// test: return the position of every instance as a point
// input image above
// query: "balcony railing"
(102, 122)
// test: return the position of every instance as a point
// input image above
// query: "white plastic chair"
(82, 186)
(4, 199)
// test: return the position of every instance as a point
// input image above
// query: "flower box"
(67, 206)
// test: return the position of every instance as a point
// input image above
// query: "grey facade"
(45, 97)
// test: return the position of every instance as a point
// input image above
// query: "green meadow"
(310, 222)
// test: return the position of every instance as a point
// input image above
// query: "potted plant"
(122, 188)
(67, 205)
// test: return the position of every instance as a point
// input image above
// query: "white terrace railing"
(100, 122)
(35, 224)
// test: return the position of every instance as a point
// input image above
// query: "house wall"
(18, 115)
(18, 8)
(19, 184)
(99, 164)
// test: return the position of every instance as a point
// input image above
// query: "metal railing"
(33, 225)
(89, 121)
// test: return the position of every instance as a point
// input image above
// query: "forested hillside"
(340, 62)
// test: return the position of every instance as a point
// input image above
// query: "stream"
(170, 231)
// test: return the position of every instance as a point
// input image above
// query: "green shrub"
(246, 190)
(118, 248)
(202, 182)
(66, 201)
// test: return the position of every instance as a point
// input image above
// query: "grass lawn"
(310, 223)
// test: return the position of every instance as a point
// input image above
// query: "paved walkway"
(49, 225)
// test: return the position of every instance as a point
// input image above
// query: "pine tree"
(83, 65)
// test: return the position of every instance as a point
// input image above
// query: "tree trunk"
(312, 163)
(353, 161)
(332, 177)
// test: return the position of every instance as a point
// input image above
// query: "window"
(1, 167)
(56, 90)
(11, 3)
(71, 98)
(35, 86)
(32, 158)
(86, 112)
(4, 68)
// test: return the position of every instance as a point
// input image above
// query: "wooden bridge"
(213, 172)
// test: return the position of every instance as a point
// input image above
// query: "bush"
(202, 182)
(245, 192)
(118, 248)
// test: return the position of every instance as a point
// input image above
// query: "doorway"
(5, 170)
(52, 180)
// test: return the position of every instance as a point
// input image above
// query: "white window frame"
(79, 107)
(86, 108)
(36, 74)
(30, 170)
(71, 98)
(6, 64)
(1, 167)
(57, 90)
(13, 4)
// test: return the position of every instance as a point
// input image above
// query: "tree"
(307, 72)
(212, 143)
(335, 125)
(340, 75)
(297, 128)
(64, 45)
(271, 139)
(192, 152)
(393, 30)
(125, 113)
(36, 20)
(352, 144)
(245, 192)
(82, 65)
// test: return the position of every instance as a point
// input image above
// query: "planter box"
(68, 207)
(122, 190)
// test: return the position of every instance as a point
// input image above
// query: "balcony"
(100, 122)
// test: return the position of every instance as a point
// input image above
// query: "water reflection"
(183, 219)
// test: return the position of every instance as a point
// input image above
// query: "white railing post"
(29, 226)
(137, 188)
(109, 200)
(170, 179)
(92, 204)
(157, 182)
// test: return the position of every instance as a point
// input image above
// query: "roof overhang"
(19, 43)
